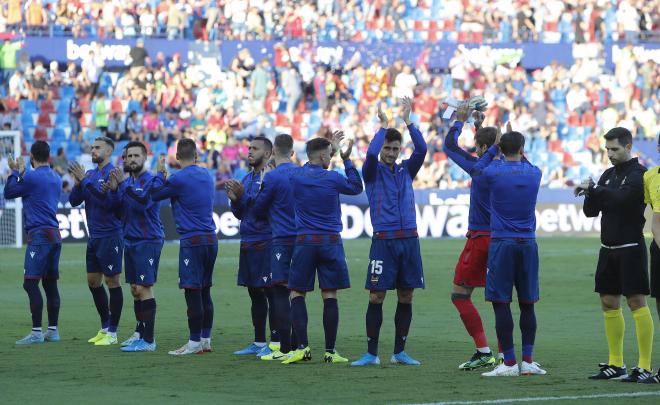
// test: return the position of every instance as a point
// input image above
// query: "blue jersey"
(102, 219)
(479, 217)
(316, 195)
(390, 190)
(275, 201)
(191, 191)
(253, 228)
(40, 189)
(140, 214)
(514, 187)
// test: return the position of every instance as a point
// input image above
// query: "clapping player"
(395, 261)
(40, 190)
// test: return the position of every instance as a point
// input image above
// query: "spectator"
(116, 128)
(100, 110)
(75, 115)
(8, 52)
(60, 163)
(134, 127)
(138, 57)
(259, 81)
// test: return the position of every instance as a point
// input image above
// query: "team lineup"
(290, 235)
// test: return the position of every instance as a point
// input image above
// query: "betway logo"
(565, 218)
(116, 52)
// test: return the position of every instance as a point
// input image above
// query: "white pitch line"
(562, 398)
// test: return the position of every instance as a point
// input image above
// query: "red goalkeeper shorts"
(471, 266)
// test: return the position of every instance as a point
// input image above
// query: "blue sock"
(149, 317)
(116, 305)
(52, 301)
(528, 331)
(402, 321)
(207, 304)
(101, 301)
(272, 322)
(504, 329)
(299, 321)
(31, 287)
(259, 313)
(195, 313)
(330, 323)
(282, 316)
(374, 321)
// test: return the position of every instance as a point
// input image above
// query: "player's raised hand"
(20, 163)
(161, 166)
(382, 117)
(336, 139)
(509, 128)
(463, 112)
(346, 154)
(12, 163)
(77, 171)
(479, 118)
(406, 108)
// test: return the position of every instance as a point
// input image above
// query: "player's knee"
(112, 282)
(135, 291)
(325, 294)
(405, 296)
(376, 297)
(29, 284)
(460, 296)
(636, 302)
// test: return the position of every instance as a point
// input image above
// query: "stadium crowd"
(563, 110)
(413, 20)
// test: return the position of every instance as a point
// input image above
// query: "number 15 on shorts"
(377, 267)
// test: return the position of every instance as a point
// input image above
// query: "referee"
(622, 262)
(652, 197)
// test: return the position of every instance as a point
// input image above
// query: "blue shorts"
(196, 262)
(512, 262)
(280, 260)
(254, 264)
(318, 253)
(42, 261)
(141, 260)
(394, 263)
(104, 255)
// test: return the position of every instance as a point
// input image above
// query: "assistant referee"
(622, 262)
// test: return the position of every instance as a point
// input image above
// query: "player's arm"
(485, 160)
(370, 166)
(352, 183)
(18, 185)
(655, 227)
(264, 199)
(419, 154)
(168, 188)
(463, 159)
(631, 192)
(238, 199)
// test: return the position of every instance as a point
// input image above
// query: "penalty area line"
(559, 398)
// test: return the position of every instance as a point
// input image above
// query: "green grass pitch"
(569, 344)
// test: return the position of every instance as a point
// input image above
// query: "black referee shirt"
(619, 195)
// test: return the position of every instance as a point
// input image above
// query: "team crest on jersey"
(151, 262)
(110, 266)
(32, 254)
(186, 261)
(278, 255)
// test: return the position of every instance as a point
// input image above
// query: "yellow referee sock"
(644, 330)
(615, 327)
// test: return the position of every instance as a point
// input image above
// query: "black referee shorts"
(655, 270)
(623, 271)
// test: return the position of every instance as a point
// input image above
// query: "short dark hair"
(40, 151)
(622, 134)
(283, 144)
(267, 143)
(136, 144)
(486, 136)
(511, 143)
(107, 140)
(393, 134)
(316, 145)
(186, 148)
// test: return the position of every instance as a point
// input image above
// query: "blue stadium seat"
(158, 147)
(28, 106)
(59, 134)
(67, 92)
